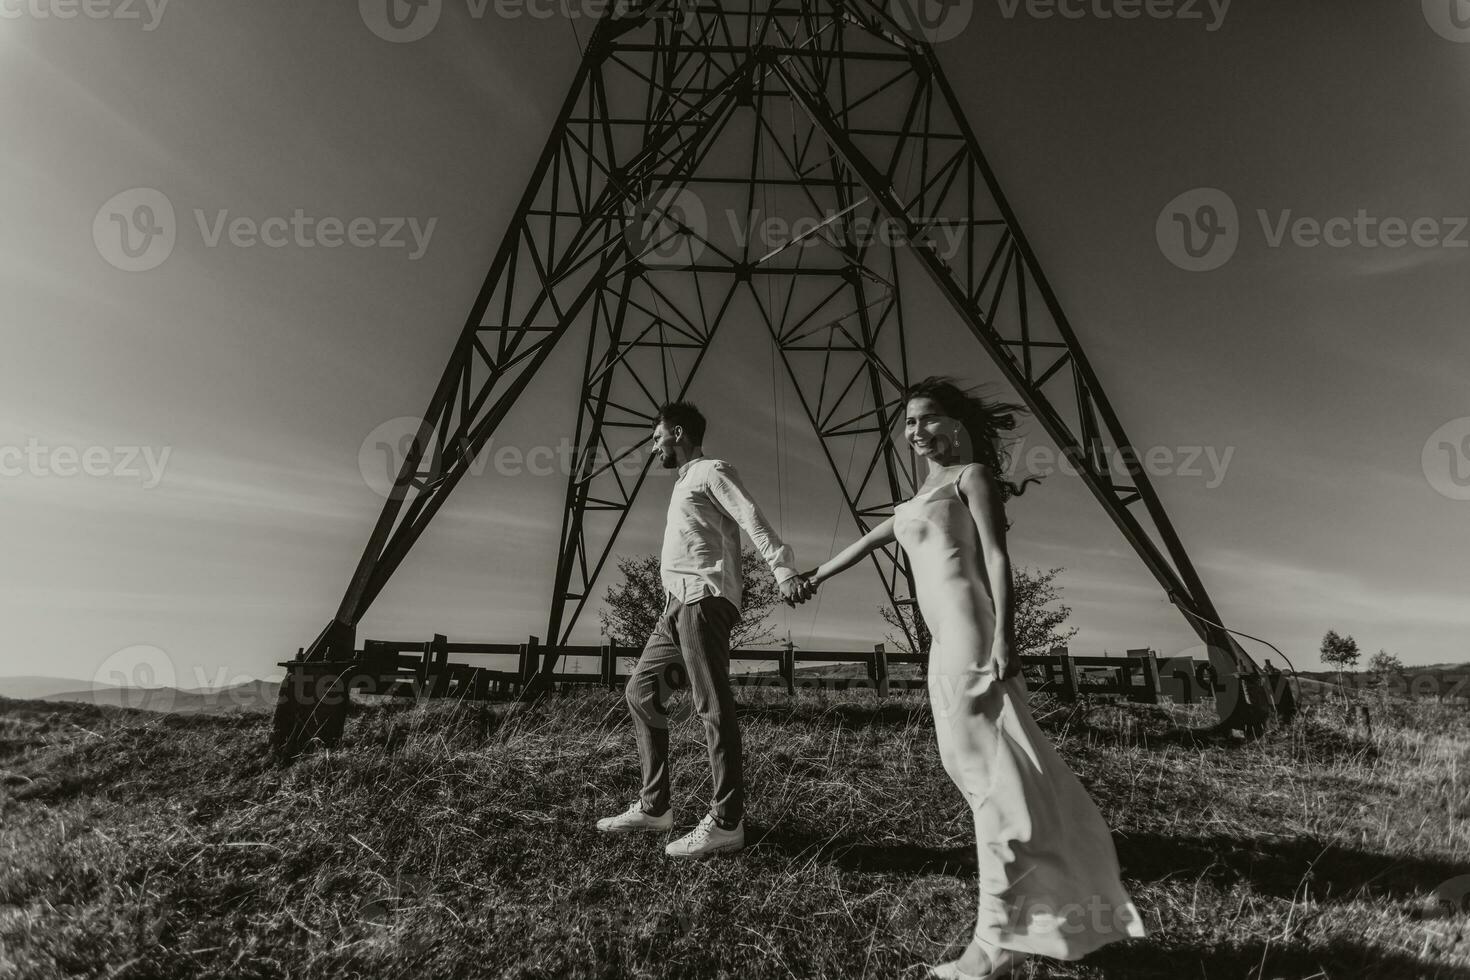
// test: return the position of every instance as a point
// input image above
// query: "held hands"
(795, 591)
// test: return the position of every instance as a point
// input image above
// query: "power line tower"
(797, 167)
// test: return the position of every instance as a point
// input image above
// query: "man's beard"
(668, 460)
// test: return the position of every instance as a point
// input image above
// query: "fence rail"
(424, 669)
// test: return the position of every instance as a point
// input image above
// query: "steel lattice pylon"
(789, 165)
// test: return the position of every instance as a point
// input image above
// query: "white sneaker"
(634, 818)
(706, 839)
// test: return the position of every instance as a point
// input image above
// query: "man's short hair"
(686, 415)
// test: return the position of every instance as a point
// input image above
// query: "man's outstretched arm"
(726, 490)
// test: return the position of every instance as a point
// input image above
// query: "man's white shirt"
(701, 555)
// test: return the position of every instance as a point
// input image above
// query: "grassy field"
(445, 841)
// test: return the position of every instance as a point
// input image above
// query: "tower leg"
(311, 704)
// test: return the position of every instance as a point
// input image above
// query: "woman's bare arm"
(855, 552)
(982, 496)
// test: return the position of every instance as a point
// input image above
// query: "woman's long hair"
(985, 422)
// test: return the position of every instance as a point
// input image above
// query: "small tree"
(1340, 652)
(1040, 625)
(1383, 662)
(630, 611)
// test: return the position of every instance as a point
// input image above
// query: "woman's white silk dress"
(1049, 880)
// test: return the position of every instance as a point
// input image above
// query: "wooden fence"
(425, 669)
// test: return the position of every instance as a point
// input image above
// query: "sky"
(181, 446)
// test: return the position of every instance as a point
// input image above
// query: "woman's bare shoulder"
(977, 479)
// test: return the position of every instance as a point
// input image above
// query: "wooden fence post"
(609, 666)
(530, 659)
(309, 705)
(1186, 684)
(879, 672)
(421, 672)
(788, 667)
(1069, 673)
(379, 660)
(1132, 667)
(440, 668)
(1150, 664)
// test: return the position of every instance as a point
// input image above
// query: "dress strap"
(957, 492)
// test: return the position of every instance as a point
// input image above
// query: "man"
(700, 572)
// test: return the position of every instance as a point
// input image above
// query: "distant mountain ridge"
(254, 695)
(34, 686)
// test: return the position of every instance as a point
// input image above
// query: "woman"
(1048, 872)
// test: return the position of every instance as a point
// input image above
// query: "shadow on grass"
(851, 854)
(1310, 740)
(1276, 868)
(1145, 727)
(1298, 868)
(1283, 868)
(1149, 959)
